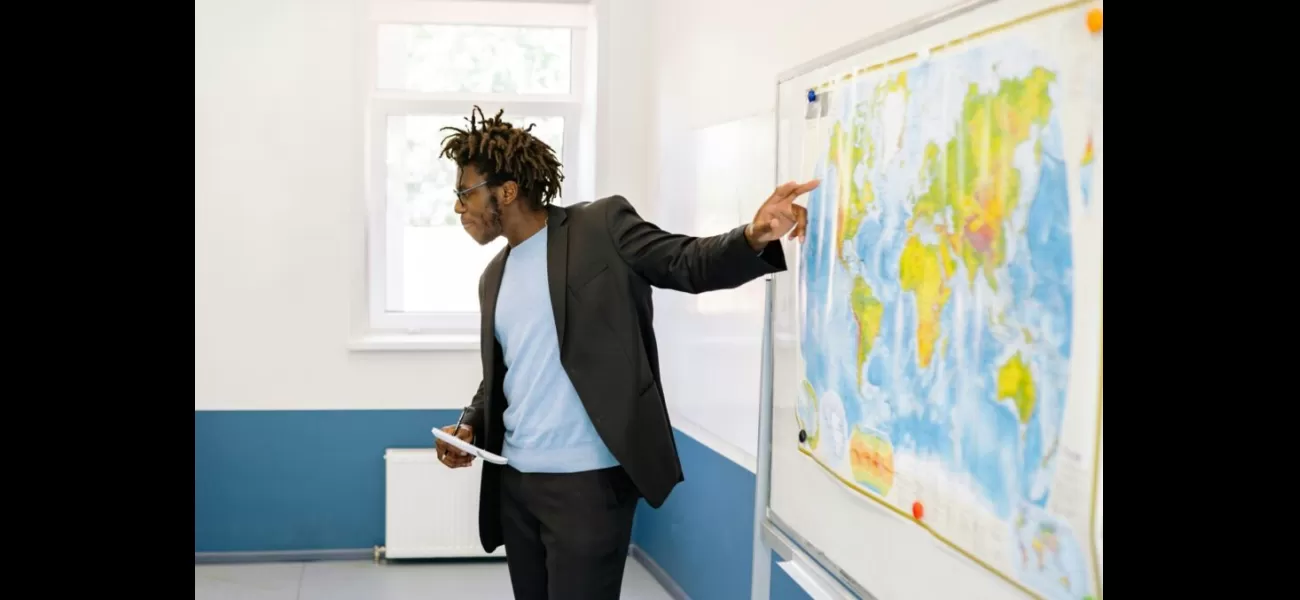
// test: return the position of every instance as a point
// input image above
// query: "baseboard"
(208, 558)
(658, 573)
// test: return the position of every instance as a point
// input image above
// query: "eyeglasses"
(460, 194)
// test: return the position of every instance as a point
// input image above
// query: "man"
(571, 391)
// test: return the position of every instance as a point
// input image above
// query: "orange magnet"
(1094, 20)
(918, 511)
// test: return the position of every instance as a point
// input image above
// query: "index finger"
(805, 187)
(780, 192)
(785, 188)
(788, 192)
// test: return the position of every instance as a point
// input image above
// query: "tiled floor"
(365, 580)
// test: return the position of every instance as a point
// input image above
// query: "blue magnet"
(812, 95)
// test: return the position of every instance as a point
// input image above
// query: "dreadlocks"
(504, 153)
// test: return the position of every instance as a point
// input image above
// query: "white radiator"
(431, 511)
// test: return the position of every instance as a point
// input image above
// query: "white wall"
(717, 60)
(279, 247)
(279, 250)
(715, 66)
(624, 121)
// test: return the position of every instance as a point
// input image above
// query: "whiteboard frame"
(770, 533)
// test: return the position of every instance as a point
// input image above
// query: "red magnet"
(918, 511)
(1094, 20)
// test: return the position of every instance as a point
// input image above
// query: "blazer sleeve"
(684, 263)
(474, 413)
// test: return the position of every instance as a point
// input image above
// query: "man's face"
(478, 206)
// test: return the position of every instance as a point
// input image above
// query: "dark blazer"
(602, 260)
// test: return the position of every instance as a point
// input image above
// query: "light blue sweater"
(547, 428)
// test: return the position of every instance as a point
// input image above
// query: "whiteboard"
(720, 329)
(955, 453)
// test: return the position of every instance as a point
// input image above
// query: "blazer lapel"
(557, 265)
(488, 318)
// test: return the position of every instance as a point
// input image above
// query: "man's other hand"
(779, 215)
(450, 455)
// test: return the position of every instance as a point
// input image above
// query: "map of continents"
(937, 318)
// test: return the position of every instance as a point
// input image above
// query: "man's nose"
(459, 207)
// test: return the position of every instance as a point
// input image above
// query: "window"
(430, 64)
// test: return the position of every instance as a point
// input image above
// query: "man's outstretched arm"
(702, 264)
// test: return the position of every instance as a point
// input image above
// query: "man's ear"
(509, 193)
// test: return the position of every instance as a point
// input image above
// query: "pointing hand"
(779, 215)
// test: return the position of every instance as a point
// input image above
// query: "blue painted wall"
(314, 480)
(297, 480)
(703, 534)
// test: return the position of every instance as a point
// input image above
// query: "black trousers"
(567, 534)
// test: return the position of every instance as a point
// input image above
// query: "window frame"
(446, 329)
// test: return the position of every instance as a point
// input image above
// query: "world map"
(937, 304)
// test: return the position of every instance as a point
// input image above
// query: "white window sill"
(414, 342)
